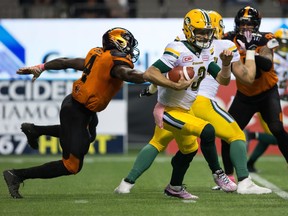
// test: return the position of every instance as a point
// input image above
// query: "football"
(174, 74)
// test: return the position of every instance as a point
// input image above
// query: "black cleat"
(32, 136)
(13, 183)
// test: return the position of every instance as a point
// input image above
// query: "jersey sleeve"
(169, 58)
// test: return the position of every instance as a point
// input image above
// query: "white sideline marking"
(81, 201)
(188, 201)
(274, 188)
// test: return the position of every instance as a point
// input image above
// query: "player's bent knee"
(181, 159)
(158, 146)
(72, 164)
(208, 133)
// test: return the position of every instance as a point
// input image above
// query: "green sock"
(264, 137)
(143, 161)
(238, 157)
(264, 141)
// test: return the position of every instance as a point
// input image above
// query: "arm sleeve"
(263, 63)
(214, 69)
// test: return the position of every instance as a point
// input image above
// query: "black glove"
(145, 92)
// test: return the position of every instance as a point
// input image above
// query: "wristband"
(228, 72)
(250, 55)
(152, 88)
(226, 65)
(42, 67)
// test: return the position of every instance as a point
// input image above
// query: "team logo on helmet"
(122, 40)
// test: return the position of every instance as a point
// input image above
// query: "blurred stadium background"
(131, 8)
(35, 31)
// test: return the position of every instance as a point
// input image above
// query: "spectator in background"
(283, 4)
(132, 8)
(89, 9)
(118, 8)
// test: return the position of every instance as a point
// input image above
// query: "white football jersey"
(178, 54)
(281, 68)
(209, 86)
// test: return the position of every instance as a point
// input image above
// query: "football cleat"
(247, 186)
(124, 187)
(182, 193)
(32, 136)
(224, 182)
(13, 183)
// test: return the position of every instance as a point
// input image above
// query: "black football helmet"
(247, 15)
(122, 40)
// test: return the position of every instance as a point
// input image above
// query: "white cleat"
(247, 186)
(124, 187)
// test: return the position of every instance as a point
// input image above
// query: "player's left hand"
(34, 70)
(226, 57)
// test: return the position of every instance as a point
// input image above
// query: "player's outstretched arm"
(55, 64)
(127, 74)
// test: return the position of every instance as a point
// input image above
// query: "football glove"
(148, 91)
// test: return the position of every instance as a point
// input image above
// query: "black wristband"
(263, 63)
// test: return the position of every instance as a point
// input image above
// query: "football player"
(205, 107)
(226, 127)
(104, 70)
(262, 96)
(280, 60)
(179, 123)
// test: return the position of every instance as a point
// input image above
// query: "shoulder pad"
(117, 53)
(266, 37)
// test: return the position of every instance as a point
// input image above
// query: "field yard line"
(274, 188)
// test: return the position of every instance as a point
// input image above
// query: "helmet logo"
(187, 20)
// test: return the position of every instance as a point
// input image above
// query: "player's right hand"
(145, 92)
(148, 91)
(34, 70)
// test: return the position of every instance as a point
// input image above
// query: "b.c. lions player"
(280, 61)
(179, 122)
(262, 96)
